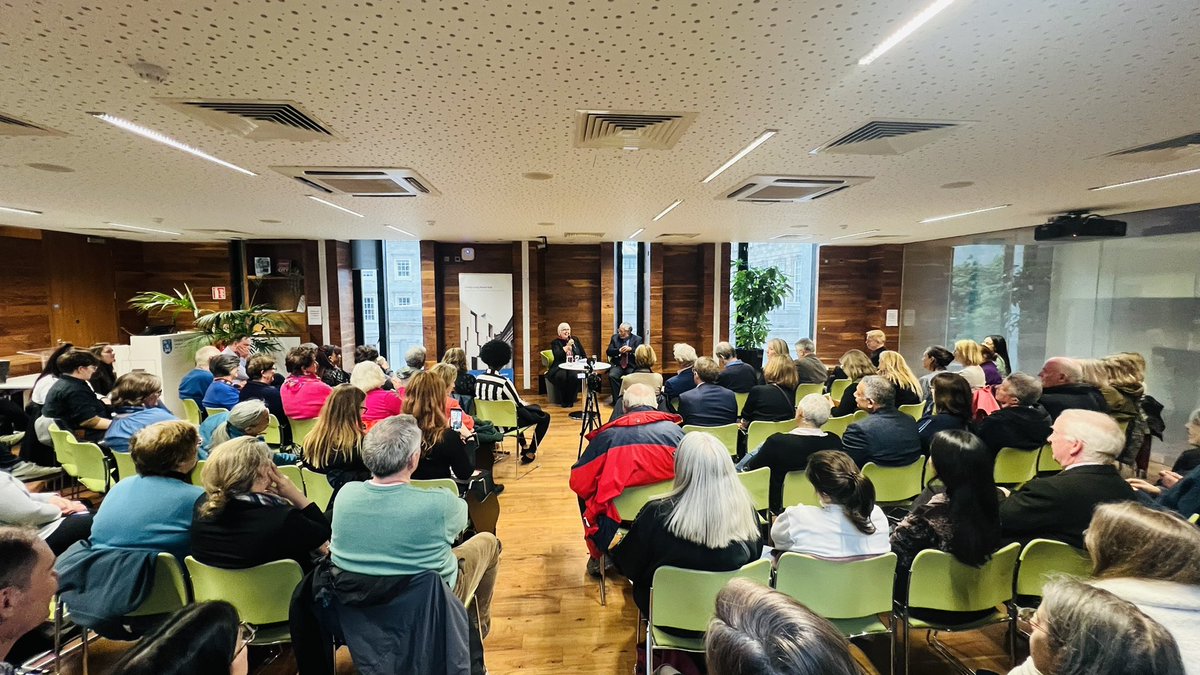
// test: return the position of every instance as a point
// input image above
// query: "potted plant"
(756, 291)
(258, 322)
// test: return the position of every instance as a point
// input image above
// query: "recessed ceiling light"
(958, 184)
(24, 212)
(546, 224)
(53, 168)
(339, 208)
(905, 30)
(667, 210)
(762, 138)
(165, 140)
(630, 148)
(404, 232)
(635, 234)
(1146, 180)
(855, 235)
(538, 175)
(270, 221)
(789, 235)
(144, 229)
(965, 213)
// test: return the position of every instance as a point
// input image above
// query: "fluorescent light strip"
(667, 210)
(965, 213)
(165, 140)
(639, 231)
(339, 208)
(852, 236)
(1145, 180)
(789, 235)
(405, 232)
(24, 212)
(905, 30)
(145, 229)
(766, 135)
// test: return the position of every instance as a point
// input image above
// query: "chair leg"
(907, 645)
(892, 645)
(85, 650)
(603, 579)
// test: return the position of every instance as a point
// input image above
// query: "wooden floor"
(546, 613)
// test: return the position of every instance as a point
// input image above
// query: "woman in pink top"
(380, 403)
(303, 393)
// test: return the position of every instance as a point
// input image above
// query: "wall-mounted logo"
(168, 345)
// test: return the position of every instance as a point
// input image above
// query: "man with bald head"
(1063, 388)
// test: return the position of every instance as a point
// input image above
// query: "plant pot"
(754, 357)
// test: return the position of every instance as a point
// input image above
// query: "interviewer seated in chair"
(847, 524)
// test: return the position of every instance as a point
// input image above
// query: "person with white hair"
(1086, 443)
(195, 383)
(1063, 388)
(565, 348)
(685, 355)
(809, 366)
(414, 362)
(790, 452)
(248, 418)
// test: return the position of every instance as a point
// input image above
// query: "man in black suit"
(709, 404)
(736, 375)
(810, 368)
(620, 355)
(1063, 388)
(875, 340)
(887, 437)
(1020, 422)
(1060, 507)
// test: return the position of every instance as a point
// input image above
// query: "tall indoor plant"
(258, 322)
(756, 292)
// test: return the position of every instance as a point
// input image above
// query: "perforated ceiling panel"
(474, 94)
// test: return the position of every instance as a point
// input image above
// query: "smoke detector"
(150, 72)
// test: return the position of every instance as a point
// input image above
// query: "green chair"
(292, 472)
(896, 484)
(1043, 558)
(838, 388)
(196, 476)
(436, 484)
(95, 473)
(851, 594)
(1046, 462)
(317, 487)
(64, 450)
(503, 415)
(628, 504)
(125, 467)
(838, 425)
(551, 390)
(301, 429)
(741, 400)
(191, 411)
(272, 435)
(797, 489)
(758, 484)
(215, 411)
(1194, 518)
(938, 581)
(727, 434)
(913, 410)
(760, 431)
(806, 389)
(685, 600)
(1015, 466)
(260, 594)
(929, 473)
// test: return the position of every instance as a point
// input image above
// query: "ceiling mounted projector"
(1079, 225)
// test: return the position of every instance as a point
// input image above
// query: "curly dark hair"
(365, 353)
(496, 354)
(300, 359)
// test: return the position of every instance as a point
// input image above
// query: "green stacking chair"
(628, 504)
(741, 400)
(806, 389)
(292, 472)
(758, 484)
(1046, 461)
(913, 410)
(436, 484)
(215, 411)
(838, 388)
(191, 411)
(125, 467)
(197, 473)
(317, 487)
(503, 415)
(261, 595)
(95, 473)
(797, 489)
(838, 425)
(1015, 466)
(63, 450)
(1043, 558)
(760, 431)
(272, 435)
(896, 484)
(301, 429)
(727, 434)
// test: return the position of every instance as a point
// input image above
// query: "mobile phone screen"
(456, 419)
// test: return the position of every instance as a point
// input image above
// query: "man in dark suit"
(1060, 507)
(1020, 422)
(736, 375)
(709, 404)
(810, 368)
(887, 437)
(685, 380)
(875, 341)
(620, 355)
(1063, 388)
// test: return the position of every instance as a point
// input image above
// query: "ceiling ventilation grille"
(615, 129)
(1162, 151)
(678, 235)
(790, 189)
(256, 120)
(15, 126)
(889, 137)
(582, 235)
(361, 181)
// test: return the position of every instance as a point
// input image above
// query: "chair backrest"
(169, 592)
(215, 411)
(1014, 466)
(797, 489)
(1046, 461)
(930, 471)
(838, 388)
(896, 483)
(91, 464)
(758, 484)
(837, 589)
(838, 425)
(271, 435)
(292, 473)
(1042, 558)
(260, 594)
(317, 487)
(939, 581)
(686, 599)
(63, 449)
(547, 358)
(502, 414)
(913, 410)
(727, 434)
(1194, 518)
(437, 483)
(760, 431)
(632, 499)
(301, 429)
(191, 411)
(125, 466)
(741, 398)
(806, 389)
(197, 473)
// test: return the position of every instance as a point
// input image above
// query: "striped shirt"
(492, 386)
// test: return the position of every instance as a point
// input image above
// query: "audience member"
(774, 401)
(783, 453)
(241, 348)
(492, 386)
(644, 358)
(424, 523)
(464, 383)
(620, 354)
(303, 393)
(992, 375)
(951, 409)
(449, 375)
(847, 524)
(854, 366)
(683, 381)
(250, 513)
(875, 342)
(809, 368)
(247, 418)
(223, 392)
(637, 448)
(983, 401)
(887, 436)
(935, 359)
(1060, 507)
(708, 404)
(443, 450)
(1179, 493)
(1126, 379)
(1021, 422)
(968, 353)
(203, 638)
(59, 521)
(27, 585)
(334, 446)
(759, 630)
(106, 375)
(894, 369)
(706, 522)
(379, 403)
(260, 370)
(736, 375)
(50, 374)
(37, 451)
(195, 383)
(329, 365)
(414, 362)
(1190, 458)
(1063, 388)
(136, 405)
(999, 346)
(564, 348)
(73, 402)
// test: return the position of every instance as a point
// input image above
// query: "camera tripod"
(590, 417)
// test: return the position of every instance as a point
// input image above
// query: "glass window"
(403, 320)
(403, 268)
(403, 301)
(794, 319)
(368, 309)
(628, 281)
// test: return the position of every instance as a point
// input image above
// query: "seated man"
(709, 404)
(424, 522)
(736, 375)
(1021, 422)
(887, 437)
(685, 354)
(414, 362)
(72, 399)
(810, 368)
(27, 584)
(195, 383)
(241, 348)
(1060, 507)
(875, 341)
(1063, 387)
(620, 355)
(637, 448)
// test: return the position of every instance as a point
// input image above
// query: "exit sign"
(218, 292)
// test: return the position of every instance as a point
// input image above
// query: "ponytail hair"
(835, 475)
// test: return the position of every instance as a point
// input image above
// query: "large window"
(631, 272)
(794, 319)
(403, 289)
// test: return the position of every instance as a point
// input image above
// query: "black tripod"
(590, 419)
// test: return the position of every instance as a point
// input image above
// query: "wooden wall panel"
(571, 292)
(684, 313)
(82, 288)
(198, 265)
(430, 300)
(655, 332)
(608, 292)
(856, 287)
(340, 276)
(24, 297)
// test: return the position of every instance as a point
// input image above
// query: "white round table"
(580, 367)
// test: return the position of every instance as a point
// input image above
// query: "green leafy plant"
(756, 291)
(153, 302)
(258, 322)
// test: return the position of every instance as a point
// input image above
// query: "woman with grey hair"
(248, 418)
(222, 393)
(790, 452)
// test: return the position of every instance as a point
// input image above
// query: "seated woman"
(706, 522)
(379, 403)
(203, 638)
(894, 369)
(492, 386)
(991, 370)
(464, 381)
(855, 365)
(60, 522)
(260, 371)
(329, 365)
(449, 374)
(136, 400)
(774, 401)
(847, 524)
(685, 356)
(999, 348)
(951, 410)
(303, 393)
(251, 514)
(968, 353)
(223, 393)
(443, 450)
(72, 401)
(248, 418)
(791, 451)
(935, 360)
(564, 348)
(334, 446)
(644, 358)
(106, 376)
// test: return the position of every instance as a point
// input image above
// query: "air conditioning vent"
(15, 126)
(785, 189)
(678, 235)
(615, 129)
(1169, 150)
(361, 181)
(889, 137)
(256, 120)
(582, 235)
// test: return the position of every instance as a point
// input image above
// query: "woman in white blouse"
(847, 524)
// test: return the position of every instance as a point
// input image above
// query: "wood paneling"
(431, 294)
(856, 287)
(571, 292)
(340, 277)
(24, 297)
(198, 265)
(655, 331)
(682, 288)
(82, 288)
(608, 292)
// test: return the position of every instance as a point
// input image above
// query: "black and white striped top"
(492, 386)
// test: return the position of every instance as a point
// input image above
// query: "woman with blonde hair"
(379, 403)
(250, 513)
(1125, 376)
(334, 446)
(894, 369)
(644, 358)
(774, 401)
(464, 381)
(448, 373)
(968, 353)
(706, 522)
(777, 347)
(854, 366)
(443, 450)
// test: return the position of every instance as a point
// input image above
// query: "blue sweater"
(195, 384)
(129, 421)
(147, 512)
(221, 394)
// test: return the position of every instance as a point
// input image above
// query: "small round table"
(591, 403)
